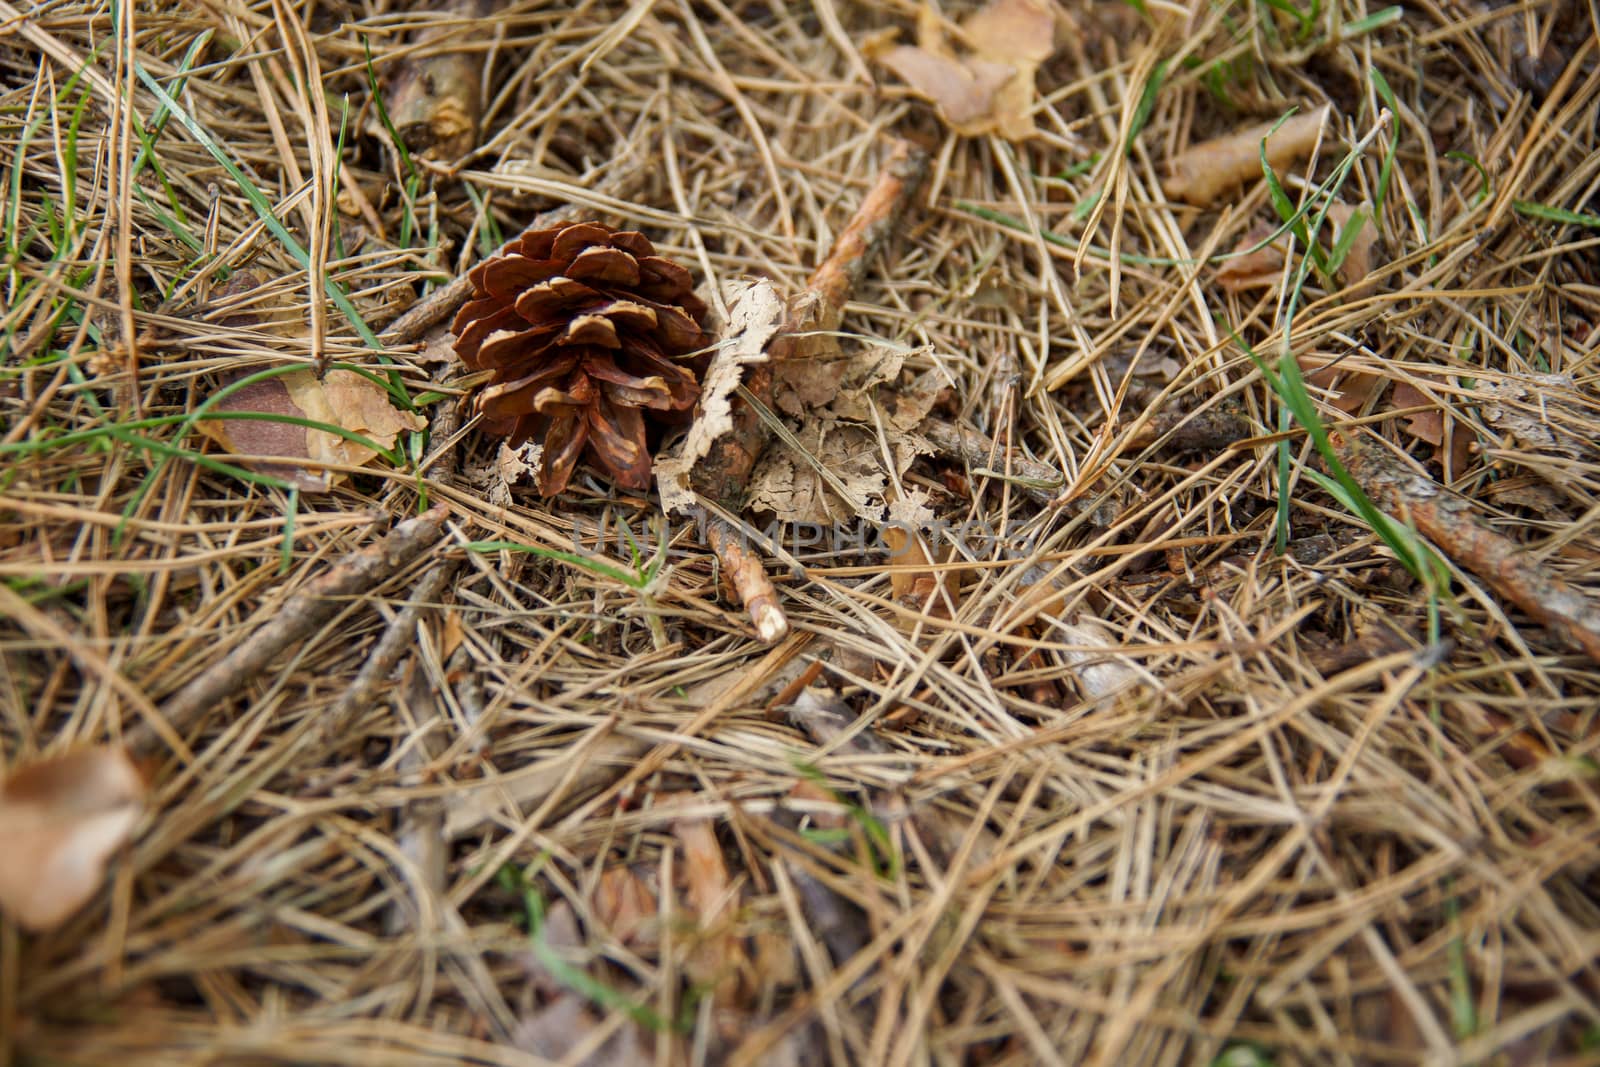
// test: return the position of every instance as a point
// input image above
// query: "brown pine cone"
(584, 327)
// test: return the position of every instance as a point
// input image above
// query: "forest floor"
(1233, 701)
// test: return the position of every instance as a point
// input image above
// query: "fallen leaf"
(1350, 389)
(61, 818)
(1430, 426)
(513, 467)
(991, 90)
(755, 312)
(344, 399)
(625, 904)
(1253, 265)
(717, 958)
(1358, 261)
(787, 483)
(1203, 172)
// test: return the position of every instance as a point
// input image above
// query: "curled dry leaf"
(1203, 172)
(60, 820)
(1253, 265)
(1452, 441)
(625, 904)
(513, 467)
(991, 89)
(344, 399)
(1097, 669)
(839, 414)
(755, 311)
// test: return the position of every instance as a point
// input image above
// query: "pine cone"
(583, 327)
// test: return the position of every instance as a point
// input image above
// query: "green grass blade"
(1546, 213)
(262, 206)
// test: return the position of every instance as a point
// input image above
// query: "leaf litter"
(985, 852)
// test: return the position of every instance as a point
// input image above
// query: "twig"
(748, 578)
(398, 639)
(1038, 481)
(1447, 520)
(435, 99)
(357, 572)
(816, 309)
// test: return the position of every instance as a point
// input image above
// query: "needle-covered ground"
(1235, 703)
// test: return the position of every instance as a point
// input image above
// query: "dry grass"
(1216, 802)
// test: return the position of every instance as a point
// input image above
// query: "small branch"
(1039, 481)
(817, 308)
(749, 580)
(306, 611)
(1448, 521)
(398, 638)
(435, 100)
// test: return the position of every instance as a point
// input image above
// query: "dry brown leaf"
(61, 818)
(1203, 172)
(838, 403)
(625, 904)
(344, 399)
(1350, 389)
(1252, 264)
(513, 467)
(1358, 261)
(991, 90)
(717, 958)
(786, 483)
(1430, 426)
(755, 312)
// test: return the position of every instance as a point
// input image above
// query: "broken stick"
(305, 612)
(1448, 521)
(815, 310)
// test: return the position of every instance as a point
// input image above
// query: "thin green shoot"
(1546, 213)
(1305, 21)
(158, 121)
(1011, 222)
(1146, 105)
(1285, 470)
(1380, 85)
(637, 580)
(1346, 240)
(338, 175)
(1463, 1013)
(290, 511)
(489, 236)
(512, 879)
(1078, 169)
(410, 180)
(1375, 21)
(884, 861)
(1288, 214)
(1483, 175)
(262, 206)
